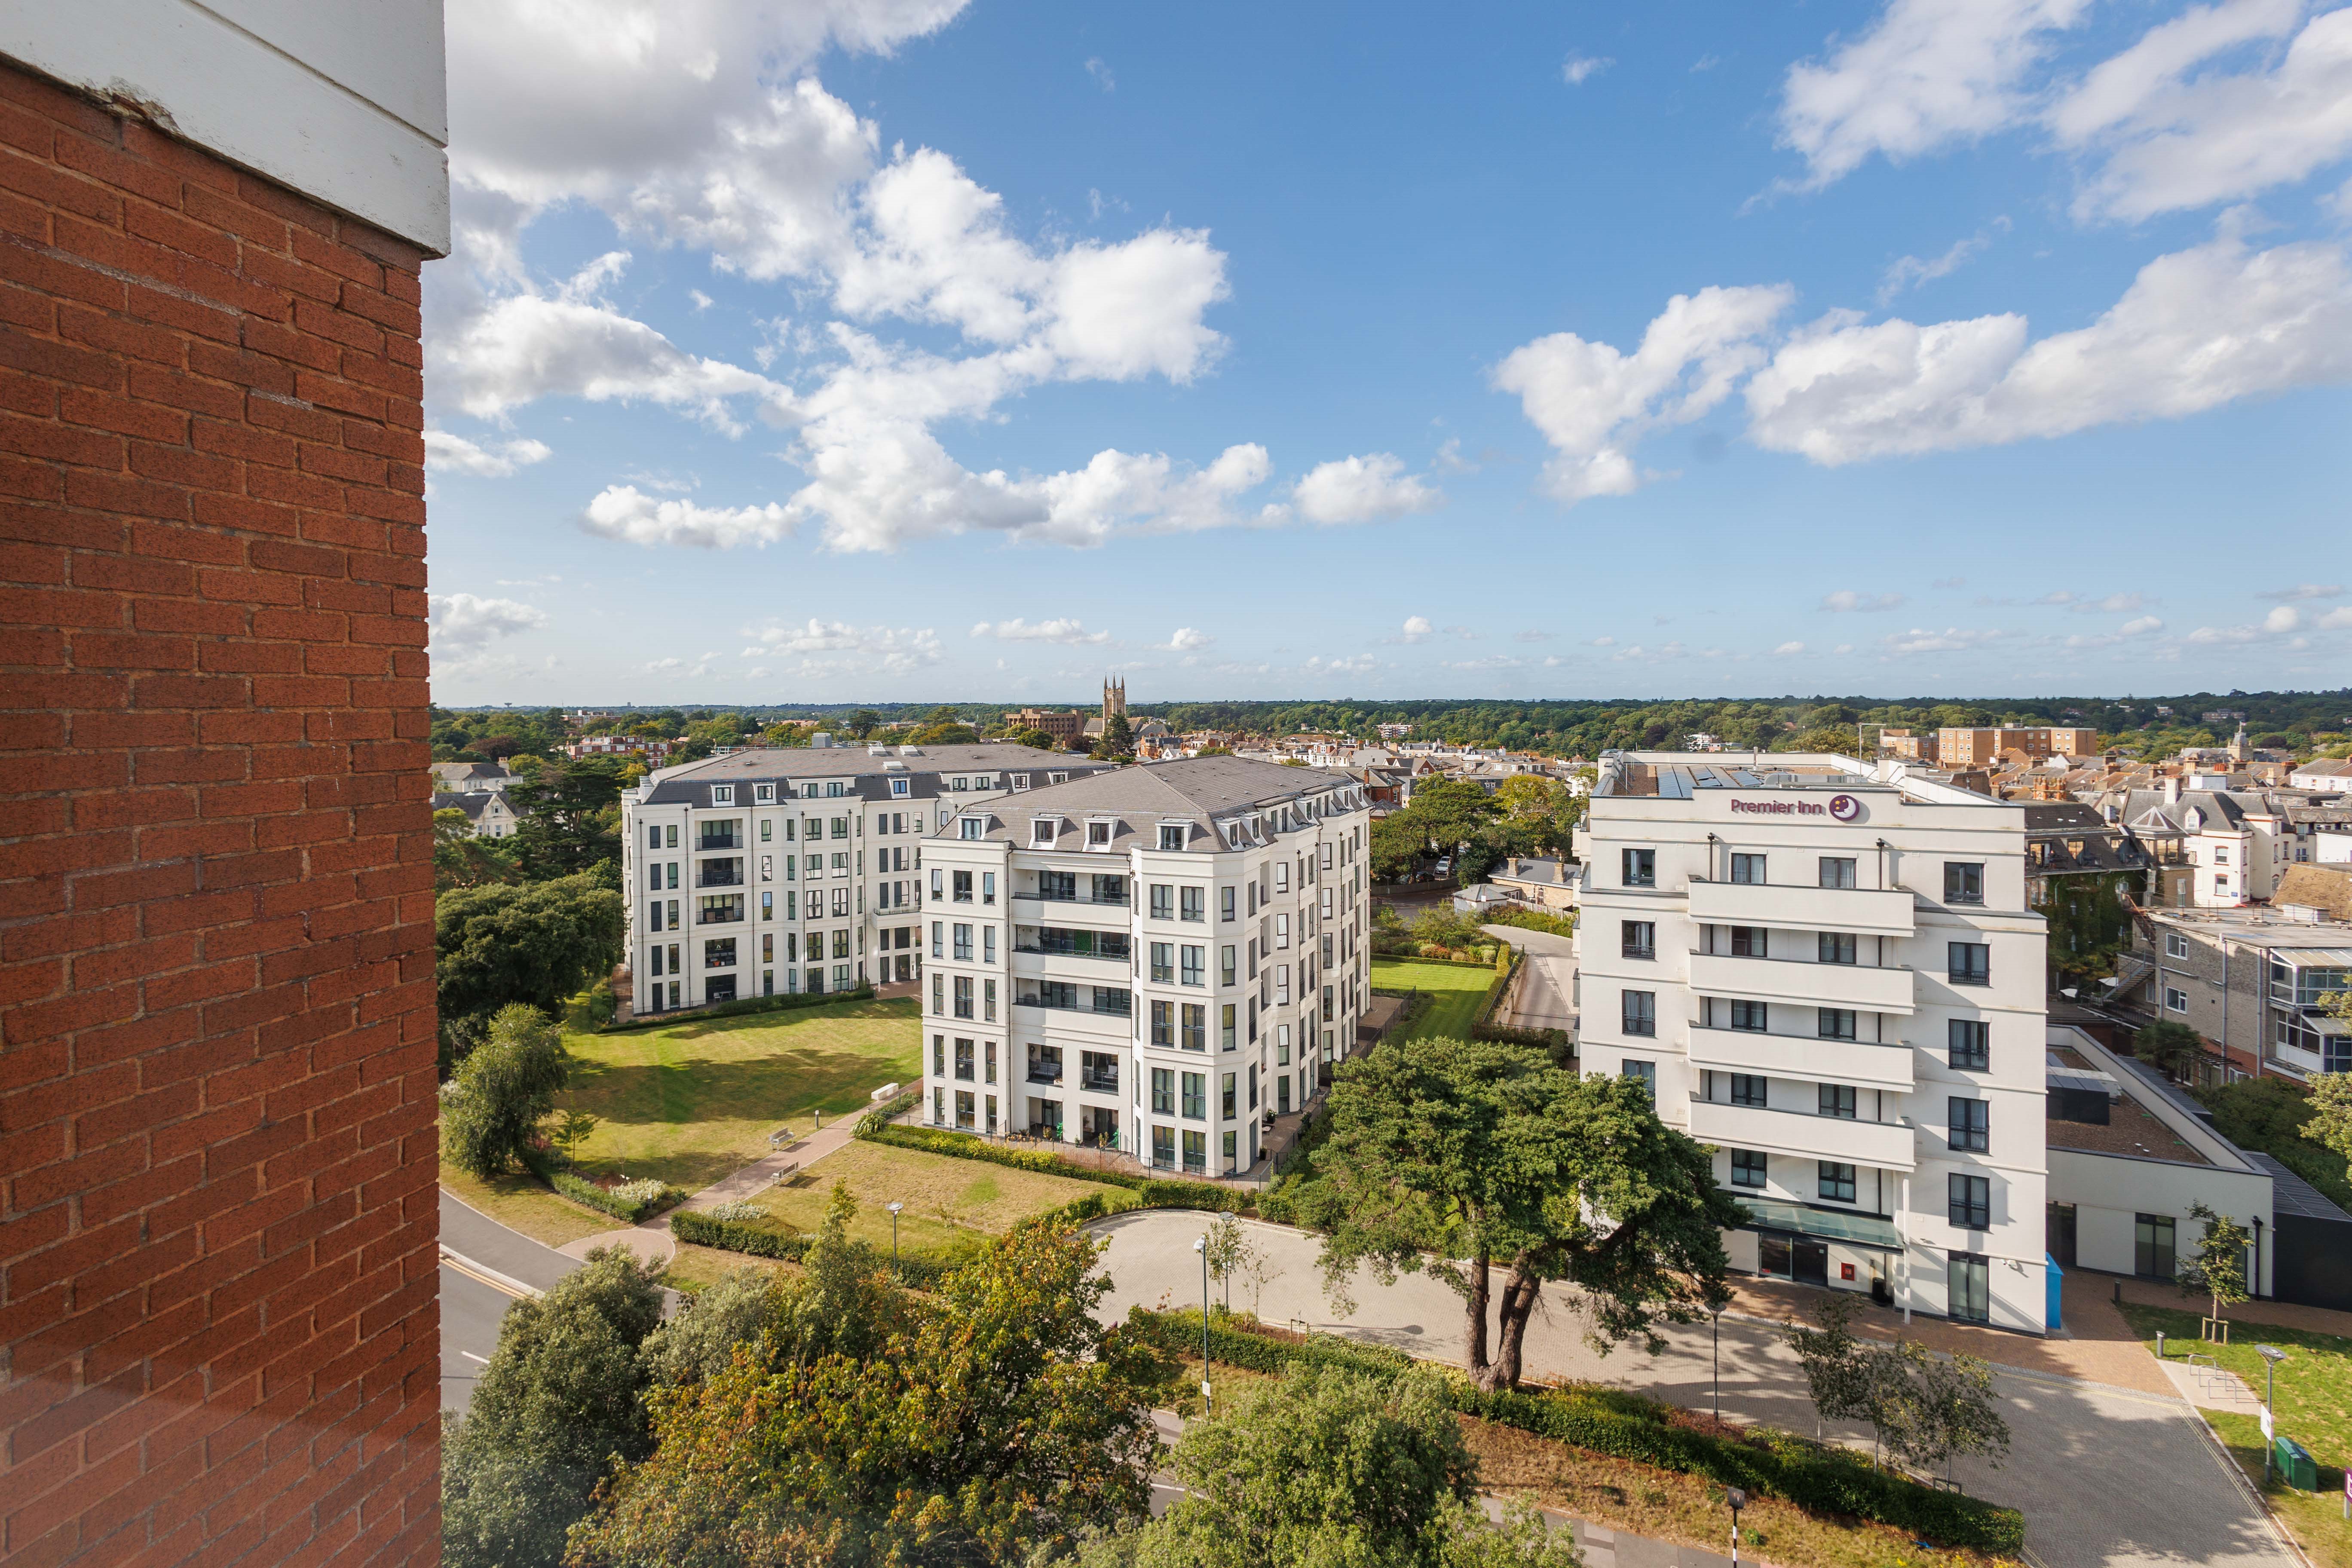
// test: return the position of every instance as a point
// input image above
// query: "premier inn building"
(1828, 974)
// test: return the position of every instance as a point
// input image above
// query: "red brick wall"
(218, 1269)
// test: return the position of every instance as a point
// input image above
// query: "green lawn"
(2315, 1519)
(693, 1101)
(2314, 1382)
(1458, 988)
(946, 1198)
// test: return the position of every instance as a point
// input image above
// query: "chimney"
(2172, 789)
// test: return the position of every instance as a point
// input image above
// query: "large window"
(1970, 1122)
(1967, 1285)
(1641, 1012)
(1748, 1089)
(1644, 1073)
(1196, 1027)
(1970, 1041)
(1834, 1023)
(1638, 938)
(1196, 1096)
(2152, 1254)
(1968, 963)
(1640, 867)
(1969, 1200)
(1194, 904)
(1163, 1024)
(1963, 882)
(963, 943)
(718, 953)
(1837, 871)
(1750, 941)
(1753, 1016)
(1196, 962)
(1163, 1091)
(1747, 870)
(1836, 947)
(1163, 962)
(1163, 1147)
(1834, 1182)
(1837, 1099)
(1746, 1168)
(1163, 901)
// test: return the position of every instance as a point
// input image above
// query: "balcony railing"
(710, 841)
(1099, 1082)
(1095, 1007)
(1122, 958)
(1074, 899)
(1043, 1074)
(719, 879)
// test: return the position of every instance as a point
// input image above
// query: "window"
(1163, 962)
(1638, 938)
(719, 952)
(1833, 1023)
(1837, 871)
(1041, 832)
(963, 1059)
(1224, 903)
(1750, 941)
(988, 992)
(2220, 854)
(2152, 1254)
(972, 827)
(840, 824)
(1748, 1089)
(1163, 1025)
(1966, 1283)
(962, 883)
(1225, 1028)
(1754, 1017)
(1963, 881)
(1641, 1012)
(1837, 947)
(963, 996)
(1099, 835)
(1640, 867)
(1282, 876)
(1232, 1157)
(1228, 1098)
(2175, 1000)
(1969, 1125)
(1225, 964)
(1642, 1072)
(1834, 1183)
(1837, 1100)
(1171, 836)
(1971, 962)
(1195, 904)
(1163, 901)
(988, 887)
(1195, 965)
(1747, 870)
(1970, 1044)
(722, 795)
(1196, 1027)
(2175, 945)
(1163, 1091)
(963, 943)
(653, 837)
(900, 789)
(938, 932)
(1969, 1202)
(1746, 1168)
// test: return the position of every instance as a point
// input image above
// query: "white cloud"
(1910, 271)
(1580, 69)
(1846, 599)
(2197, 329)
(624, 512)
(1359, 489)
(1018, 630)
(1952, 640)
(1593, 403)
(1926, 74)
(2336, 620)
(1352, 664)
(461, 623)
(2303, 591)
(702, 301)
(2141, 626)
(1637, 654)
(1787, 648)
(2286, 618)
(1189, 640)
(1492, 661)
(835, 647)
(2170, 138)
(2145, 626)
(1604, 642)
(1416, 629)
(453, 453)
(1101, 73)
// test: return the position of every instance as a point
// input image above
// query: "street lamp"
(1718, 1318)
(1202, 1247)
(1737, 1500)
(895, 1207)
(2271, 1355)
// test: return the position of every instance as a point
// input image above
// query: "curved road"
(485, 1269)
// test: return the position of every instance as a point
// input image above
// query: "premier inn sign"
(1843, 807)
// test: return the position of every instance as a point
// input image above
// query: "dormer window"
(1171, 836)
(722, 795)
(974, 826)
(765, 795)
(1099, 835)
(836, 787)
(899, 788)
(1019, 781)
(1043, 831)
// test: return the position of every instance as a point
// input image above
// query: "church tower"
(1114, 697)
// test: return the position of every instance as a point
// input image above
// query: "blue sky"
(912, 350)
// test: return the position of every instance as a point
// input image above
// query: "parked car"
(1445, 865)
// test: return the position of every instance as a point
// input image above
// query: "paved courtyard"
(2106, 1476)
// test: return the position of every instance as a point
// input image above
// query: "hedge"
(582, 1191)
(972, 1146)
(1625, 1427)
(740, 1007)
(919, 1269)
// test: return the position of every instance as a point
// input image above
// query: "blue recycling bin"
(2053, 1309)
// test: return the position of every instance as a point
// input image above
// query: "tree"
(2172, 1049)
(1036, 739)
(1118, 742)
(571, 818)
(1926, 1408)
(2216, 1270)
(1329, 1468)
(1459, 1157)
(996, 1420)
(1831, 1356)
(556, 1407)
(537, 943)
(1398, 845)
(951, 734)
(462, 859)
(1230, 1252)
(490, 1110)
(2331, 1099)
(863, 722)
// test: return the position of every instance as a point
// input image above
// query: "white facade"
(1829, 974)
(777, 870)
(1157, 961)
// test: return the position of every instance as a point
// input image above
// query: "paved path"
(2107, 1478)
(1546, 991)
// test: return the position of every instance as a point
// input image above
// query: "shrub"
(490, 1109)
(743, 1006)
(632, 1201)
(734, 1210)
(916, 1268)
(971, 1146)
(1159, 1193)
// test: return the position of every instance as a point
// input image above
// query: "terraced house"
(1157, 960)
(786, 869)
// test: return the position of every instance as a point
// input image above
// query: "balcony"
(1867, 912)
(1859, 1062)
(1099, 1082)
(710, 842)
(1038, 951)
(731, 877)
(1885, 1144)
(1090, 1009)
(1866, 990)
(1044, 1073)
(1080, 898)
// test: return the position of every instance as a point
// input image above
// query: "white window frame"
(2176, 945)
(1043, 831)
(722, 795)
(764, 794)
(2175, 1000)
(900, 788)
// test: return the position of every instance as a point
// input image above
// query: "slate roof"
(1206, 793)
(689, 783)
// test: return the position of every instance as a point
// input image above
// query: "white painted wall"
(343, 100)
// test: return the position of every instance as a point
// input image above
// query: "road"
(2107, 1478)
(1547, 996)
(474, 1299)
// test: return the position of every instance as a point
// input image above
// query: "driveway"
(2106, 1478)
(1545, 998)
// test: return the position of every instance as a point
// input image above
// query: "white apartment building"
(1828, 974)
(796, 868)
(1156, 960)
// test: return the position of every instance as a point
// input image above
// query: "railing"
(716, 879)
(1075, 899)
(1041, 1075)
(1120, 958)
(1099, 1082)
(1074, 1008)
(723, 841)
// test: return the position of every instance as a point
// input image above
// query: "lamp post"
(1737, 1500)
(1202, 1247)
(1717, 1317)
(2271, 1355)
(895, 1207)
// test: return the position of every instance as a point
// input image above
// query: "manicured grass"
(695, 1101)
(522, 1203)
(699, 1267)
(947, 1200)
(1457, 989)
(2314, 1382)
(2315, 1519)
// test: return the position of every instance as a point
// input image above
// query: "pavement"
(485, 1269)
(2107, 1477)
(1546, 991)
